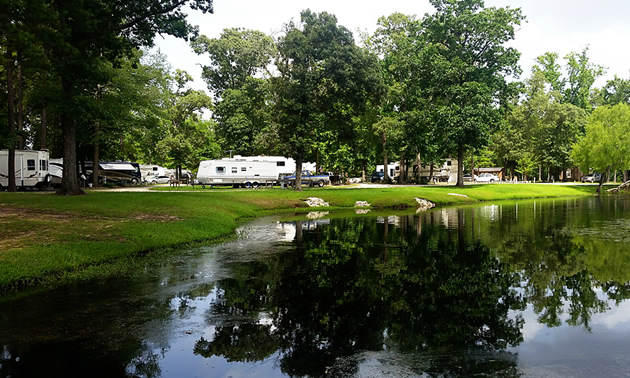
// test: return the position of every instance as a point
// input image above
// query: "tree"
(616, 91)
(606, 143)
(390, 131)
(83, 34)
(468, 59)
(581, 76)
(242, 115)
(324, 80)
(234, 57)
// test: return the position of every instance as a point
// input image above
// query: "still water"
(507, 289)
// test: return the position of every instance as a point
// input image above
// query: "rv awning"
(116, 167)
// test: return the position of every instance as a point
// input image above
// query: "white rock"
(361, 204)
(316, 202)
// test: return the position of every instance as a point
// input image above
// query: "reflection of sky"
(573, 350)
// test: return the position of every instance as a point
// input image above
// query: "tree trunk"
(96, 158)
(431, 172)
(20, 105)
(11, 115)
(472, 164)
(625, 175)
(385, 173)
(602, 179)
(42, 130)
(417, 166)
(402, 169)
(70, 180)
(460, 166)
(298, 173)
(363, 171)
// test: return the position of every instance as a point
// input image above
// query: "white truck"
(239, 172)
(31, 169)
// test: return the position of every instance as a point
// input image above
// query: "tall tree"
(85, 33)
(606, 143)
(324, 80)
(469, 63)
(581, 77)
(234, 57)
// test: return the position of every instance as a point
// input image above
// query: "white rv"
(238, 172)
(149, 171)
(447, 172)
(31, 169)
(393, 170)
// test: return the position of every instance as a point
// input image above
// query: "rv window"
(30, 163)
(449, 162)
(43, 165)
(220, 169)
(234, 169)
(279, 164)
(243, 169)
(155, 169)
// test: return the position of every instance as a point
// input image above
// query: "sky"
(560, 26)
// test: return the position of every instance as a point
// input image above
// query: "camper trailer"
(446, 172)
(393, 171)
(149, 171)
(238, 172)
(31, 169)
(285, 165)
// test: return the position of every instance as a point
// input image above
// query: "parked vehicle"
(55, 169)
(31, 169)
(488, 177)
(237, 172)
(592, 177)
(446, 171)
(393, 170)
(470, 178)
(160, 179)
(115, 171)
(377, 177)
(149, 171)
(311, 178)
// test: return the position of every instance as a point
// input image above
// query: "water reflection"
(504, 289)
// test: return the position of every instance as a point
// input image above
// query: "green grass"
(46, 238)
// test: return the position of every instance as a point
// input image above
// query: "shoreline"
(52, 240)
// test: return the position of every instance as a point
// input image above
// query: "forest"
(78, 78)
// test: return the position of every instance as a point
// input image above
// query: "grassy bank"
(46, 238)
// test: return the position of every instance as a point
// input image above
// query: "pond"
(519, 289)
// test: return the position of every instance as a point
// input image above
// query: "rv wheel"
(134, 181)
(255, 185)
(248, 185)
(203, 186)
(320, 183)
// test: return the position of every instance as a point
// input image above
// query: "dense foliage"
(75, 80)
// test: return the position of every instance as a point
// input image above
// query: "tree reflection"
(359, 285)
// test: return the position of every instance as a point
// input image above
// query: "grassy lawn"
(47, 239)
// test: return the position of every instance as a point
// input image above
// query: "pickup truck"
(311, 178)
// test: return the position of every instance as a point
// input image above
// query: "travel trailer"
(239, 172)
(31, 169)
(393, 171)
(447, 172)
(149, 171)
(286, 166)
